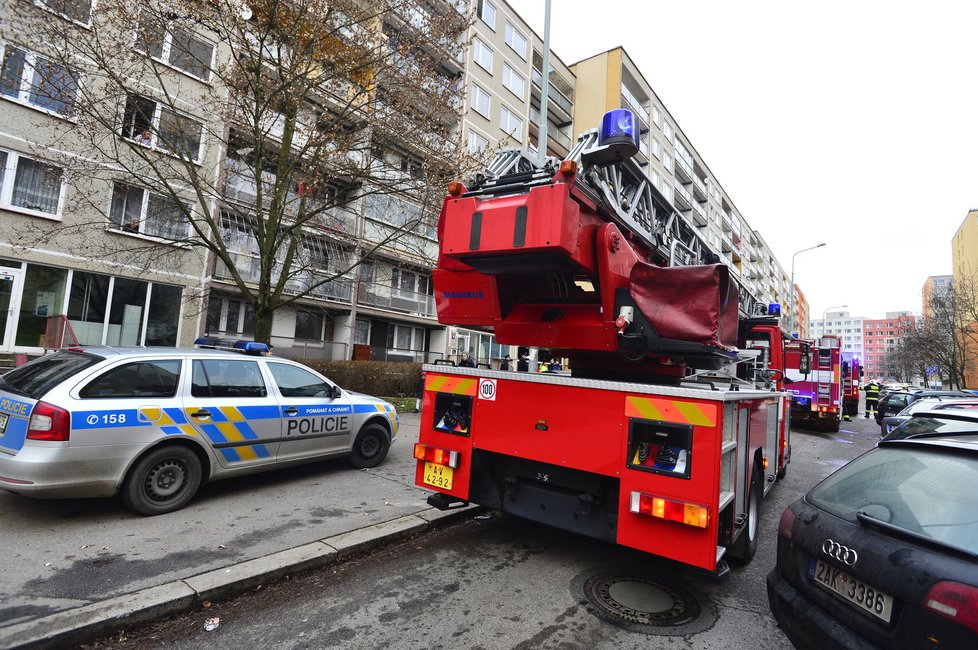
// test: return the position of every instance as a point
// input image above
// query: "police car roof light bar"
(244, 346)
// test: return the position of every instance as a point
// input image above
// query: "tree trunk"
(263, 325)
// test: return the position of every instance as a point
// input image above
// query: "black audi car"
(884, 552)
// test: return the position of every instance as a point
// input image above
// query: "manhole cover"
(645, 603)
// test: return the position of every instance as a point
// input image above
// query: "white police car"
(152, 424)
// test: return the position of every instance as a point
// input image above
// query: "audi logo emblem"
(841, 553)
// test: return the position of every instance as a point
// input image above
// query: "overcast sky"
(850, 122)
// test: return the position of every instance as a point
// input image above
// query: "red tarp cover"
(689, 303)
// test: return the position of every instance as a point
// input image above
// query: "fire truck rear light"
(954, 601)
(690, 514)
(455, 188)
(568, 167)
(764, 462)
(436, 455)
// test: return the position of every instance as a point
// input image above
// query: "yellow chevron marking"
(152, 414)
(695, 415)
(233, 414)
(643, 408)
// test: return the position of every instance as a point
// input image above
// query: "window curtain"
(37, 186)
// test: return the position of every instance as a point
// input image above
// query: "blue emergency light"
(774, 309)
(620, 132)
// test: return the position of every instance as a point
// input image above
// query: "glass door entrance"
(10, 287)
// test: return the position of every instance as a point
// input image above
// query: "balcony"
(683, 169)
(725, 224)
(248, 266)
(556, 97)
(553, 132)
(683, 200)
(726, 245)
(699, 189)
(699, 215)
(382, 296)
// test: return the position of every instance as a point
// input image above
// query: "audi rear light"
(690, 514)
(436, 455)
(786, 527)
(49, 422)
(954, 601)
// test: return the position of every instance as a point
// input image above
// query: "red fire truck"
(671, 426)
(816, 385)
(852, 373)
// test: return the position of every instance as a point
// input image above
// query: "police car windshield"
(35, 378)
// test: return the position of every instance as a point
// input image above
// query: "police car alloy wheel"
(162, 481)
(370, 447)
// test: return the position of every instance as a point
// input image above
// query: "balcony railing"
(249, 268)
(384, 297)
(699, 188)
(555, 95)
(683, 200)
(699, 214)
(683, 169)
(553, 131)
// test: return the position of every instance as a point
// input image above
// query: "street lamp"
(791, 289)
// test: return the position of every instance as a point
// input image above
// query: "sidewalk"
(97, 617)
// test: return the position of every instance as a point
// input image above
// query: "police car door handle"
(201, 413)
(291, 411)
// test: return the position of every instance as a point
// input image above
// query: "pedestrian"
(554, 365)
(523, 365)
(466, 361)
(504, 365)
(872, 397)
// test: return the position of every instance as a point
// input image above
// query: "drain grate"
(644, 602)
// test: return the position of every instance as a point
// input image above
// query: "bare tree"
(257, 133)
(946, 336)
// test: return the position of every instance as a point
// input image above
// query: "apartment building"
(612, 80)
(844, 325)
(964, 267)
(882, 336)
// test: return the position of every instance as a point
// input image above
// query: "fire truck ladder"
(627, 194)
(824, 392)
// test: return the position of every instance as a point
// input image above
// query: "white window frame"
(154, 143)
(657, 148)
(668, 132)
(28, 82)
(482, 51)
(510, 77)
(656, 116)
(166, 49)
(8, 180)
(52, 7)
(511, 123)
(143, 215)
(513, 38)
(487, 12)
(477, 143)
(475, 103)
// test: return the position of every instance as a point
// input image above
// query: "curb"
(95, 620)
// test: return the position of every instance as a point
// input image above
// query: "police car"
(152, 424)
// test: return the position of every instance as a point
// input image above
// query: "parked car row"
(884, 552)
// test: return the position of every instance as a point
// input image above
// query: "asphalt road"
(502, 582)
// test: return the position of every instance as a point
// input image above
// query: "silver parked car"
(152, 424)
(891, 422)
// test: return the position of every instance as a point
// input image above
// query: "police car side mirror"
(337, 392)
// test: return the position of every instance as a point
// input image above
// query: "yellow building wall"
(598, 89)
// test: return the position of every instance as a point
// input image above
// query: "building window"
(656, 149)
(510, 123)
(667, 132)
(480, 101)
(176, 47)
(477, 144)
(36, 185)
(78, 10)
(514, 81)
(667, 162)
(516, 41)
(31, 79)
(656, 116)
(309, 325)
(482, 54)
(407, 284)
(487, 12)
(361, 332)
(137, 210)
(149, 123)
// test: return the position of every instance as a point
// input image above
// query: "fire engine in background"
(671, 426)
(852, 373)
(816, 385)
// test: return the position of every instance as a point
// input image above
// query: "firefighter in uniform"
(872, 396)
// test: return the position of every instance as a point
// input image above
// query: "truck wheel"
(164, 480)
(745, 547)
(831, 427)
(370, 447)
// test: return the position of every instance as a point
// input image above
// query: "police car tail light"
(954, 601)
(690, 514)
(436, 455)
(49, 422)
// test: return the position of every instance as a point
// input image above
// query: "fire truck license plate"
(855, 591)
(438, 475)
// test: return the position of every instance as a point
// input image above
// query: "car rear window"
(35, 378)
(928, 492)
(923, 424)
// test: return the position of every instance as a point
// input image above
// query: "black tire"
(163, 480)
(831, 426)
(743, 550)
(370, 447)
